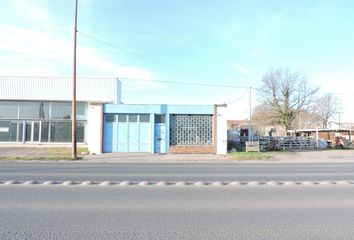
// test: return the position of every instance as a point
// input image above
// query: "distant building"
(268, 130)
(328, 134)
(240, 126)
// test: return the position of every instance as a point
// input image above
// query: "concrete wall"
(221, 130)
(94, 128)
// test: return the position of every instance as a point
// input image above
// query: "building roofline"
(321, 130)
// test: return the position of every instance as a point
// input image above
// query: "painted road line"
(179, 183)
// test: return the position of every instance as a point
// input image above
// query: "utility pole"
(73, 103)
(250, 138)
(339, 120)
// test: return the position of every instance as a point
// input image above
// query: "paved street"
(247, 211)
(152, 212)
(82, 171)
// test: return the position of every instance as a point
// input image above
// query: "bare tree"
(263, 114)
(326, 107)
(287, 93)
(307, 119)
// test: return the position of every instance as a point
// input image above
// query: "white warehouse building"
(37, 110)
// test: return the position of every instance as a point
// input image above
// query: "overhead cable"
(184, 83)
(148, 58)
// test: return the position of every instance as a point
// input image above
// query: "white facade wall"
(105, 90)
(93, 91)
(94, 128)
(221, 130)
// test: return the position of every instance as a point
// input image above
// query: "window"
(159, 118)
(34, 110)
(8, 109)
(5, 131)
(10, 131)
(61, 110)
(45, 132)
(61, 131)
(80, 131)
(40, 110)
(19, 131)
(145, 118)
(133, 118)
(109, 117)
(191, 130)
(122, 118)
(40, 121)
(81, 110)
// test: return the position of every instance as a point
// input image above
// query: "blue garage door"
(127, 133)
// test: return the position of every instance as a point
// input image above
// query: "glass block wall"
(191, 130)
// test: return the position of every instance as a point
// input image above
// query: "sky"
(229, 43)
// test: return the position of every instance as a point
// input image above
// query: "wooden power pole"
(73, 104)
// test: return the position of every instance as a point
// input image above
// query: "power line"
(321, 92)
(339, 94)
(239, 98)
(148, 58)
(213, 85)
(178, 69)
(184, 83)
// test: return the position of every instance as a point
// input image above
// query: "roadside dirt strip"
(177, 184)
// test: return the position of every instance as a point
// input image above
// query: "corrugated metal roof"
(88, 89)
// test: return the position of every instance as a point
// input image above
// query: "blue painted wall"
(159, 109)
(156, 109)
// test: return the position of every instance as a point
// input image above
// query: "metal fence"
(287, 143)
(273, 143)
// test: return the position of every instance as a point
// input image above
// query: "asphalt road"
(153, 212)
(82, 171)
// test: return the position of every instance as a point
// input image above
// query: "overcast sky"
(229, 42)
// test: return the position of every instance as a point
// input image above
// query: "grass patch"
(50, 158)
(44, 154)
(256, 155)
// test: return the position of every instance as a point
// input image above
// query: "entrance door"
(160, 138)
(32, 131)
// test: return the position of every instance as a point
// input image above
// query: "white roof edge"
(58, 88)
(320, 129)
